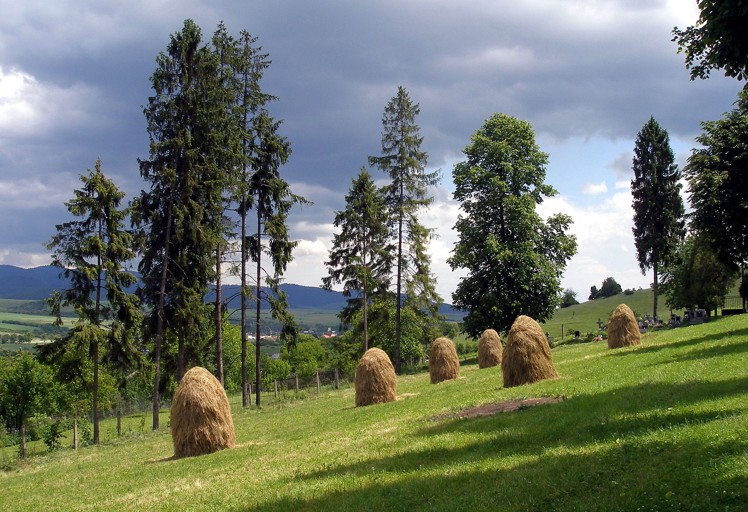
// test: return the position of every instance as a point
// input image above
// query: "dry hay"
(443, 361)
(489, 349)
(200, 415)
(527, 356)
(376, 382)
(623, 331)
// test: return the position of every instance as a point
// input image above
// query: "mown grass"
(660, 427)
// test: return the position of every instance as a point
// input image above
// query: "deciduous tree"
(718, 40)
(514, 258)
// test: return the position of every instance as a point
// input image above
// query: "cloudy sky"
(587, 74)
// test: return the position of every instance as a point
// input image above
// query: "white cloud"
(18, 258)
(30, 108)
(594, 189)
(28, 194)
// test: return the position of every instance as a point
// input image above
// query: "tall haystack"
(443, 361)
(489, 349)
(376, 382)
(527, 356)
(623, 331)
(200, 415)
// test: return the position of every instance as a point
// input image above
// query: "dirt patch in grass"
(505, 406)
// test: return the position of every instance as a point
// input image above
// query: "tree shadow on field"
(521, 460)
(683, 343)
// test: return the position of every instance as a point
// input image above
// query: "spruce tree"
(180, 215)
(407, 194)
(658, 206)
(93, 252)
(362, 254)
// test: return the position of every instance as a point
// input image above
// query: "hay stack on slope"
(200, 415)
(376, 382)
(443, 361)
(527, 356)
(623, 331)
(489, 349)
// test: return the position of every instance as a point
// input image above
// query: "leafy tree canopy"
(719, 40)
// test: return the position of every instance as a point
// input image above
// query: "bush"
(52, 435)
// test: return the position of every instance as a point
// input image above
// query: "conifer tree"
(405, 162)
(658, 207)
(362, 254)
(180, 215)
(93, 252)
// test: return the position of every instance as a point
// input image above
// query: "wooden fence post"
(276, 389)
(337, 379)
(318, 382)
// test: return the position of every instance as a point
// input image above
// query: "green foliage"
(514, 259)
(609, 288)
(306, 356)
(698, 278)
(568, 298)
(27, 388)
(718, 184)
(413, 336)
(717, 41)
(274, 369)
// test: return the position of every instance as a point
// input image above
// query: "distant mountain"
(39, 283)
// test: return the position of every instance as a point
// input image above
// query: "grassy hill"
(583, 317)
(663, 426)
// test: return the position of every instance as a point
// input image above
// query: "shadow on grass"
(636, 452)
(684, 343)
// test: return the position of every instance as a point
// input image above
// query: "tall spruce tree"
(407, 194)
(249, 65)
(658, 206)
(362, 253)
(272, 199)
(514, 259)
(93, 252)
(180, 215)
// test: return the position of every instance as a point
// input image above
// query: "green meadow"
(663, 426)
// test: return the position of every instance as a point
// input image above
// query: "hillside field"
(663, 426)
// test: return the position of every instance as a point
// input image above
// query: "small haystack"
(489, 349)
(443, 361)
(527, 356)
(200, 415)
(376, 382)
(623, 331)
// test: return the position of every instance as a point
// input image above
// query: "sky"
(587, 74)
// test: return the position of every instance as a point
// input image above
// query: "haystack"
(200, 415)
(443, 361)
(376, 382)
(623, 331)
(527, 356)
(489, 349)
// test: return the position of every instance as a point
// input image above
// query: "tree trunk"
(156, 399)
(654, 293)
(259, 303)
(23, 440)
(95, 350)
(398, 307)
(219, 318)
(245, 380)
(180, 355)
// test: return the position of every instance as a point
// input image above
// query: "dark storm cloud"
(575, 69)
